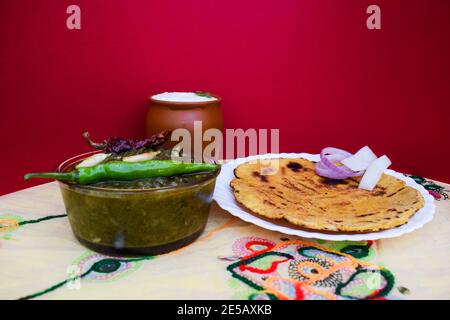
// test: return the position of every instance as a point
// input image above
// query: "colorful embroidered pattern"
(90, 266)
(106, 268)
(437, 191)
(300, 270)
(94, 266)
(10, 222)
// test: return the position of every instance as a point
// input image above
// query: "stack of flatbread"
(290, 189)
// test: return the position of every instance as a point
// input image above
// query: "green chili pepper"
(119, 170)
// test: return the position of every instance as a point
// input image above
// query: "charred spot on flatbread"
(294, 166)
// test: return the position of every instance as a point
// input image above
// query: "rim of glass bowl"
(78, 158)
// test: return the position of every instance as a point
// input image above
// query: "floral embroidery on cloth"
(104, 268)
(92, 266)
(300, 270)
(10, 222)
(437, 191)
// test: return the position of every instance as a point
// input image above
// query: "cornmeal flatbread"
(290, 189)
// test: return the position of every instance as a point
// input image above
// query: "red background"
(310, 68)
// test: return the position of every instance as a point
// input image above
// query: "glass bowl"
(136, 221)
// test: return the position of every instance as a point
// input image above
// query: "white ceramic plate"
(225, 198)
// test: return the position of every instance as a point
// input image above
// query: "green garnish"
(203, 94)
(119, 170)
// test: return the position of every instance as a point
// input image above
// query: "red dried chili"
(120, 145)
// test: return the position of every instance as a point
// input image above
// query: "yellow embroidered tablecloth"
(41, 259)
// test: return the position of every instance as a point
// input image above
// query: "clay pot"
(169, 115)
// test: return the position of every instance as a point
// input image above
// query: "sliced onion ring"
(327, 167)
(92, 160)
(141, 157)
(361, 160)
(374, 172)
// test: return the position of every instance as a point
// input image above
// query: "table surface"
(232, 259)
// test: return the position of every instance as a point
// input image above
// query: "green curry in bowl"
(147, 214)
